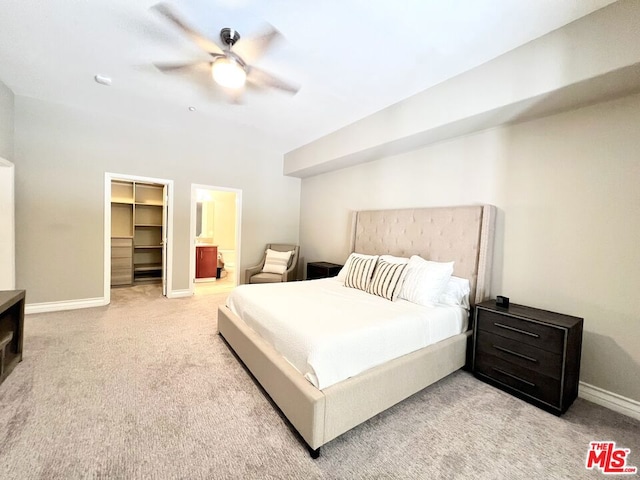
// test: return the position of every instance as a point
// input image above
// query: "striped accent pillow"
(276, 262)
(360, 270)
(387, 279)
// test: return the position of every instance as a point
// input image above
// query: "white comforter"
(330, 332)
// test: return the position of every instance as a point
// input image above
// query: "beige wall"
(6, 122)
(224, 225)
(584, 61)
(566, 187)
(61, 156)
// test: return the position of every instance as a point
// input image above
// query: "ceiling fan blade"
(203, 42)
(261, 78)
(252, 48)
(182, 67)
(200, 74)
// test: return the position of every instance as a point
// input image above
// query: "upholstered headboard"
(442, 234)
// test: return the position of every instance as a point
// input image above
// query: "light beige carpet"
(145, 389)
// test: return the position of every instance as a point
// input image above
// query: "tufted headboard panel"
(442, 234)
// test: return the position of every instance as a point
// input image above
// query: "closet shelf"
(147, 267)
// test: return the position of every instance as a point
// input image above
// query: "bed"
(462, 234)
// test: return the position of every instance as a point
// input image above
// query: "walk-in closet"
(138, 223)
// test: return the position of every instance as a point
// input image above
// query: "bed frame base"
(314, 453)
(321, 415)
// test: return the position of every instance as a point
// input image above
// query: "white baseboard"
(64, 305)
(610, 400)
(179, 293)
(45, 307)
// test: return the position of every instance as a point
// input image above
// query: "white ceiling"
(351, 57)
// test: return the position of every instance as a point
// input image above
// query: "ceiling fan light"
(227, 73)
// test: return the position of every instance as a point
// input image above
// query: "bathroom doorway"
(215, 238)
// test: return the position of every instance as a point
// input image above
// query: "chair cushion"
(276, 262)
(266, 278)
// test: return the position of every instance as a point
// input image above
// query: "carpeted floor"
(145, 389)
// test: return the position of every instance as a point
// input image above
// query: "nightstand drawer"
(546, 337)
(534, 384)
(521, 354)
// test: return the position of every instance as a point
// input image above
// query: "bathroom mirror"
(204, 219)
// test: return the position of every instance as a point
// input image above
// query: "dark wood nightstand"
(11, 330)
(533, 354)
(317, 270)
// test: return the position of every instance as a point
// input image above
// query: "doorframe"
(166, 273)
(8, 224)
(192, 230)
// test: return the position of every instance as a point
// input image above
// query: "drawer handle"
(514, 377)
(506, 350)
(507, 327)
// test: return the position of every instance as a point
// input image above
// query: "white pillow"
(276, 262)
(392, 259)
(342, 275)
(456, 292)
(360, 270)
(425, 280)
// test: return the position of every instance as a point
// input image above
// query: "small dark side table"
(317, 270)
(11, 330)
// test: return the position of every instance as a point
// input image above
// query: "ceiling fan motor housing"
(229, 36)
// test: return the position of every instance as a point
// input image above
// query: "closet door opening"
(138, 232)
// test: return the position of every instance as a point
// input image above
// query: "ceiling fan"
(230, 67)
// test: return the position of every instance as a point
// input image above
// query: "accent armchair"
(256, 274)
